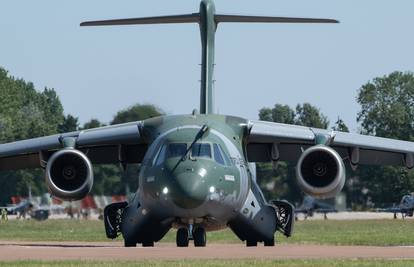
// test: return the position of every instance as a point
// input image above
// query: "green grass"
(358, 232)
(219, 263)
(53, 230)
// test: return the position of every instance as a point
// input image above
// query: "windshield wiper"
(199, 135)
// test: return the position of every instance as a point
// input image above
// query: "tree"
(265, 114)
(25, 113)
(340, 126)
(387, 106)
(93, 123)
(387, 110)
(308, 115)
(283, 114)
(137, 112)
(69, 124)
(279, 113)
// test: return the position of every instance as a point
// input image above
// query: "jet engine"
(69, 174)
(320, 172)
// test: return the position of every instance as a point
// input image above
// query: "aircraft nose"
(189, 190)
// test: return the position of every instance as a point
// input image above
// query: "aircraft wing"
(300, 210)
(104, 145)
(391, 210)
(323, 210)
(269, 141)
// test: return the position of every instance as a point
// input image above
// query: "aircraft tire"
(251, 243)
(182, 237)
(200, 238)
(129, 244)
(269, 243)
(148, 243)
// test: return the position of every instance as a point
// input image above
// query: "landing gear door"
(285, 216)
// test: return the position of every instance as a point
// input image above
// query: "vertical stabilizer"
(208, 28)
(208, 21)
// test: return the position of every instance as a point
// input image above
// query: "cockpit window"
(170, 151)
(219, 155)
(176, 150)
(201, 150)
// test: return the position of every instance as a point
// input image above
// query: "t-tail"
(208, 21)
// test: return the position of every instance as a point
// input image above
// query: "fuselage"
(192, 177)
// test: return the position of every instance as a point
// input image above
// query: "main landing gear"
(267, 243)
(198, 234)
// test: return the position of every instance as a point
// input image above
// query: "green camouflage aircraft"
(195, 173)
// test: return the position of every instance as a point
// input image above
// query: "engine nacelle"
(320, 172)
(69, 174)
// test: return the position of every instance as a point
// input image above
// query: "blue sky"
(98, 71)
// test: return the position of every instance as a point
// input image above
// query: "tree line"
(386, 110)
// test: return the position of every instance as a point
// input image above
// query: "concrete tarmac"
(11, 250)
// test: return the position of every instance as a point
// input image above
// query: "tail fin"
(208, 21)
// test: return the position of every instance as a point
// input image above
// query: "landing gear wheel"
(200, 238)
(129, 244)
(148, 243)
(269, 243)
(182, 237)
(251, 243)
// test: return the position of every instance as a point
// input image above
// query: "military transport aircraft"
(310, 205)
(194, 172)
(406, 207)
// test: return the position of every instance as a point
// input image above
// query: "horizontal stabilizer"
(189, 18)
(195, 17)
(261, 19)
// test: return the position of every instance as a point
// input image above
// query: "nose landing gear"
(198, 234)
(182, 237)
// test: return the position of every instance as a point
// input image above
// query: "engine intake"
(69, 174)
(320, 172)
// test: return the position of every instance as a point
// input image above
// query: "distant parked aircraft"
(30, 207)
(21, 209)
(311, 205)
(406, 207)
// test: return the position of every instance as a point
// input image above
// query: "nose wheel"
(182, 237)
(198, 235)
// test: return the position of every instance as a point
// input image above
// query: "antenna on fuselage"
(208, 21)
